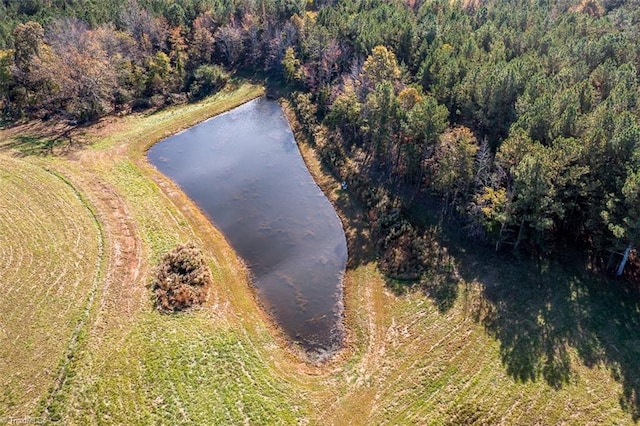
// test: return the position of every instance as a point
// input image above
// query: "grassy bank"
(514, 343)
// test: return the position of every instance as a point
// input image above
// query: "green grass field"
(51, 255)
(512, 342)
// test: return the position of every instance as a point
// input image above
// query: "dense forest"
(518, 120)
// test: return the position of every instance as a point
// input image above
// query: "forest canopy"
(520, 117)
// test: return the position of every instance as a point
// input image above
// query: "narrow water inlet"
(243, 168)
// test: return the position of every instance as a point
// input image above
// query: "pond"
(243, 168)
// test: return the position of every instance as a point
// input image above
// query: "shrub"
(182, 279)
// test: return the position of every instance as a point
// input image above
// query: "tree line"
(142, 54)
(520, 117)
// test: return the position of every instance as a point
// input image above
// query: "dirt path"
(124, 272)
(122, 291)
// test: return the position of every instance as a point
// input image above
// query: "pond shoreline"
(137, 152)
(304, 295)
(351, 215)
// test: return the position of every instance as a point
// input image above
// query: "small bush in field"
(182, 279)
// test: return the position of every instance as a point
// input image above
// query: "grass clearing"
(514, 342)
(50, 251)
(186, 369)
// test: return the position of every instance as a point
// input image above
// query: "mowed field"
(509, 342)
(50, 263)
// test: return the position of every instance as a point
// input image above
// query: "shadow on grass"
(33, 145)
(443, 290)
(356, 227)
(541, 312)
(439, 280)
(42, 138)
(544, 313)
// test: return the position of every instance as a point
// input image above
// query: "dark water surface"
(243, 168)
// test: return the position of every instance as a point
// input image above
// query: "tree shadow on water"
(544, 313)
